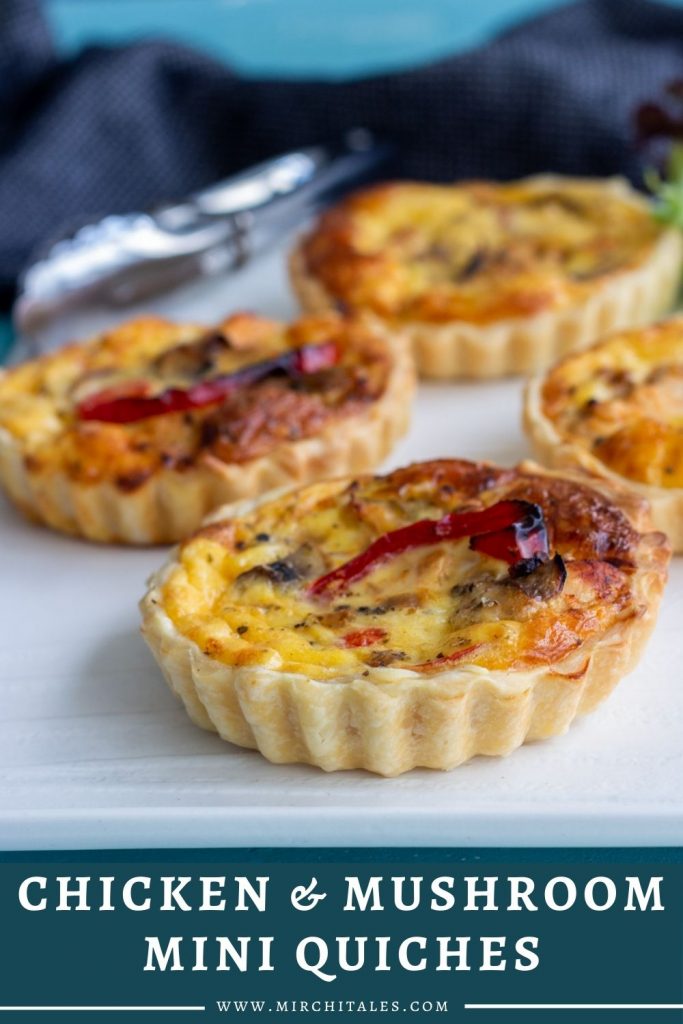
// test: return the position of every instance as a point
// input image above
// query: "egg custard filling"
(153, 395)
(621, 401)
(478, 252)
(440, 565)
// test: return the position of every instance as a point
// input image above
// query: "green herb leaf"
(668, 191)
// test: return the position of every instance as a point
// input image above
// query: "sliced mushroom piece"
(303, 564)
(489, 600)
(380, 659)
(192, 358)
(545, 582)
(475, 263)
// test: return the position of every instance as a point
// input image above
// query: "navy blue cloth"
(114, 129)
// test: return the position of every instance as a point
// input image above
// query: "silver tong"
(125, 258)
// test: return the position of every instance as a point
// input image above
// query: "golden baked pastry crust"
(616, 411)
(487, 280)
(438, 654)
(153, 480)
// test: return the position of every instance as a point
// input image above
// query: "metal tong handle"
(123, 258)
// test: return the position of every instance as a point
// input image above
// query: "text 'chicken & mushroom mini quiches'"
(616, 410)
(416, 619)
(490, 279)
(136, 435)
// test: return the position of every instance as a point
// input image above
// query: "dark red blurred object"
(662, 119)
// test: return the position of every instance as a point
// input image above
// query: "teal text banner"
(478, 937)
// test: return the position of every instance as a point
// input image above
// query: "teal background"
(298, 37)
(97, 958)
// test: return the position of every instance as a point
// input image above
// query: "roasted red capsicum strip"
(130, 407)
(445, 659)
(513, 531)
(364, 637)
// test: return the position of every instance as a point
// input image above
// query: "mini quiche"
(616, 410)
(491, 279)
(134, 436)
(417, 619)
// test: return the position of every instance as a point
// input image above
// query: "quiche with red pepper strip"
(616, 410)
(134, 436)
(490, 279)
(416, 619)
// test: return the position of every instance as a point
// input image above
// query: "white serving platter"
(96, 753)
